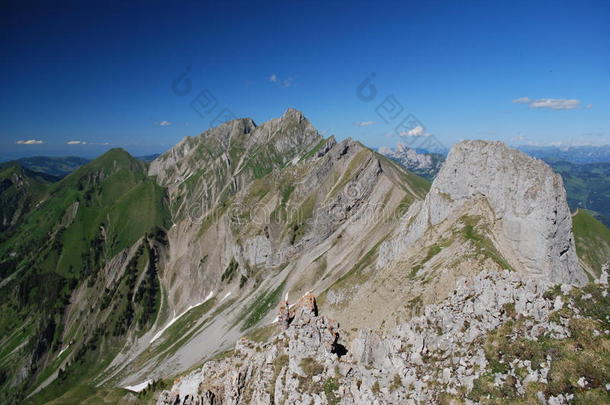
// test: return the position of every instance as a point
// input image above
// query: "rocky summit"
(266, 264)
(529, 218)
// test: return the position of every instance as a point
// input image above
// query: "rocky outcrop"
(531, 221)
(253, 373)
(441, 355)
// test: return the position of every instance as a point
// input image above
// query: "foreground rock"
(460, 349)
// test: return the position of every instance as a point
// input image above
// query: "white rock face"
(532, 221)
(257, 250)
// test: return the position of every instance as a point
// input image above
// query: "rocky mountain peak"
(293, 113)
(292, 124)
(528, 200)
(236, 126)
(235, 143)
(531, 224)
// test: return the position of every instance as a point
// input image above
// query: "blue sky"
(101, 76)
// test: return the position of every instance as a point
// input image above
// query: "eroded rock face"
(531, 217)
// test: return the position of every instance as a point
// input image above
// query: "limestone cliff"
(530, 219)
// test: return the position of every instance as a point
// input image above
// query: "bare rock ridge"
(446, 355)
(287, 136)
(531, 224)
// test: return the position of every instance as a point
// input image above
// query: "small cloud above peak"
(165, 123)
(550, 103)
(364, 123)
(287, 82)
(76, 143)
(417, 131)
(29, 142)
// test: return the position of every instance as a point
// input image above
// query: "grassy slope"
(20, 191)
(113, 192)
(592, 240)
(585, 354)
(587, 186)
(117, 204)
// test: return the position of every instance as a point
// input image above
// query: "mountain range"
(572, 154)
(267, 264)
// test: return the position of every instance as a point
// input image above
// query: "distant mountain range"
(572, 154)
(62, 166)
(55, 166)
(419, 162)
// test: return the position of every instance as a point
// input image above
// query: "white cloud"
(364, 123)
(76, 143)
(287, 82)
(165, 123)
(29, 142)
(417, 131)
(550, 103)
(556, 103)
(522, 100)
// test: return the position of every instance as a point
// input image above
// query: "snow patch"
(175, 318)
(138, 387)
(63, 350)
